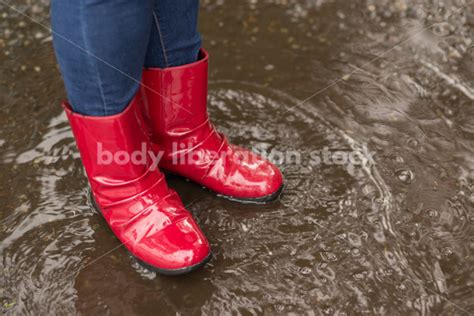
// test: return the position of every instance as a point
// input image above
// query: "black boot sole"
(259, 200)
(175, 272)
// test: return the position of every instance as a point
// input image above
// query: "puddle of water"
(391, 237)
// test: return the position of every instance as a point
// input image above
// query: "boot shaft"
(176, 98)
(112, 149)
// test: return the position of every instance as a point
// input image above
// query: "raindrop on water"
(398, 159)
(269, 67)
(412, 142)
(355, 252)
(329, 256)
(447, 251)
(342, 236)
(432, 212)
(406, 176)
(279, 308)
(305, 271)
(402, 287)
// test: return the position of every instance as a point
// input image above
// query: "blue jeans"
(103, 45)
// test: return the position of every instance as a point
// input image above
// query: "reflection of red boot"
(145, 215)
(176, 109)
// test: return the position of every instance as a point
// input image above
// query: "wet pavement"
(392, 79)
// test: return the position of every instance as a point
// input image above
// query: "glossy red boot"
(176, 111)
(132, 194)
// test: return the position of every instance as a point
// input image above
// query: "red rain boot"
(145, 215)
(176, 111)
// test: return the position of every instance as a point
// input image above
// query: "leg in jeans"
(175, 39)
(101, 47)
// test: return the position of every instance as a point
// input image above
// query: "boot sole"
(175, 272)
(259, 200)
(167, 272)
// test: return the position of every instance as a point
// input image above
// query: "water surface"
(396, 237)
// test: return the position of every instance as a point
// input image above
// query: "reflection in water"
(394, 237)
